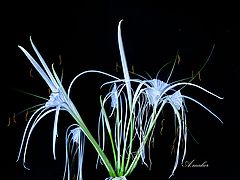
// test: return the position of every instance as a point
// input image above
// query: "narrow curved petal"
(124, 63)
(39, 69)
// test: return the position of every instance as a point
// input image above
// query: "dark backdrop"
(84, 34)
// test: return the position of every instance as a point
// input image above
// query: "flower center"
(55, 99)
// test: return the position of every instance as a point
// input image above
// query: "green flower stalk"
(128, 116)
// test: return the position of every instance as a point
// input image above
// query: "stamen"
(26, 116)
(30, 73)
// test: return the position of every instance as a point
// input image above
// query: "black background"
(85, 35)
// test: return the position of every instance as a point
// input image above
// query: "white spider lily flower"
(177, 102)
(122, 116)
(176, 99)
(58, 100)
(75, 143)
(114, 96)
(154, 91)
(118, 102)
(160, 92)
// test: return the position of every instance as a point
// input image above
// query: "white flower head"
(57, 101)
(75, 144)
(158, 93)
(155, 90)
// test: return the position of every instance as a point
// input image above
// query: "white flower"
(57, 101)
(155, 90)
(75, 143)
(160, 93)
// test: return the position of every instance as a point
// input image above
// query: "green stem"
(109, 131)
(137, 157)
(130, 144)
(118, 163)
(125, 146)
(87, 133)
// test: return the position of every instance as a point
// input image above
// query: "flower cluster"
(128, 116)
